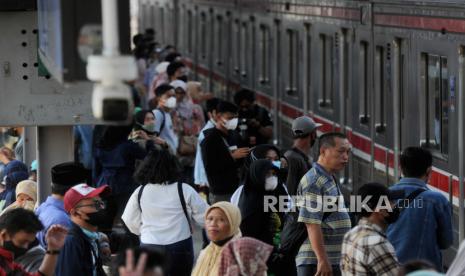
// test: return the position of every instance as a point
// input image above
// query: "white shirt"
(162, 220)
(167, 133)
(237, 194)
(200, 176)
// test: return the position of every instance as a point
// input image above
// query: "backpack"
(162, 126)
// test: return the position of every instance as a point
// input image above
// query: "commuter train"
(386, 72)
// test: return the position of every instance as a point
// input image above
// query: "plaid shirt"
(316, 184)
(367, 251)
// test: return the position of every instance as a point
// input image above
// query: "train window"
(189, 26)
(264, 45)
(363, 83)
(244, 49)
(292, 62)
(162, 24)
(237, 48)
(327, 71)
(219, 41)
(203, 36)
(380, 90)
(435, 113)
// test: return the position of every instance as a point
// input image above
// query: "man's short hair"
(162, 89)
(171, 57)
(328, 139)
(244, 94)
(212, 104)
(415, 161)
(20, 219)
(173, 67)
(225, 106)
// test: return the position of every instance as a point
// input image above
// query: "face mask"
(271, 183)
(183, 78)
(149, 128)
(231, 124)
(393, 216)
(96, 218)
(170, 103)
(17, 251)
(277, 164)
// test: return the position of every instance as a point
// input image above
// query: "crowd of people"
(189, 161)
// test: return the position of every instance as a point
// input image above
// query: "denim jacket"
(424, 228)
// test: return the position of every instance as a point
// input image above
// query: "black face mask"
(97, 218)
(183, 78)
(393, 216)
(12, 132)
(17, 251)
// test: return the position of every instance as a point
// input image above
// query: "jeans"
(180, 256)
(310, 270)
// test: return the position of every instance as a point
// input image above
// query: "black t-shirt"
(252, 133)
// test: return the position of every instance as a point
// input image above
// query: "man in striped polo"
(320, 253)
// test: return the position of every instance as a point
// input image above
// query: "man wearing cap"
(299, 163)
(366, 249)
(52, 211)
(81, 253)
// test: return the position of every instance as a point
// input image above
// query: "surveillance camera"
(112, 102)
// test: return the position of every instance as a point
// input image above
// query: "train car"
(387, 73)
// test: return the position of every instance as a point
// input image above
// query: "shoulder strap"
(139, 196)
(162, 126)
(183, 203)
(412, 196)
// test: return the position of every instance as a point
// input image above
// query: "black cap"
(68, 174)
(377, 190)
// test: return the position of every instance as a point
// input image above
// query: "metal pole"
(461, 101)
(396, 105)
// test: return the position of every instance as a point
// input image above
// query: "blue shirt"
(424, 228)
(200, 177)
(51, 212)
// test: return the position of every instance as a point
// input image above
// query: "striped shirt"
(315, 186)
(367, 251)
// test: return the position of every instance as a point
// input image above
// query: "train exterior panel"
(385, 72)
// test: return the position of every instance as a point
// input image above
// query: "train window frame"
(308, 65)
(380, 91)
(219, 40)
(292, 41)
(162, 24)
(189, 36)
(327, 76)
(428, 103)
(237, 49)
(245, 35)
(265, 52)
(203, 36)
(364, 82)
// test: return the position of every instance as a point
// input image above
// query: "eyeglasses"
(98, 205)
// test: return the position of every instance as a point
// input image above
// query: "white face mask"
(171, 102)
(271, 183)
(231, 124)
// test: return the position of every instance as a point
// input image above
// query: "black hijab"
(113, 136)
(258, 152)
(139, 119)
(252, 196)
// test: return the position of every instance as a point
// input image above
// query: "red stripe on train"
(421, 22)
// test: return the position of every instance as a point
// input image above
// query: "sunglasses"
(98, 205)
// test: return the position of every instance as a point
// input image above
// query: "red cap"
(82, 191)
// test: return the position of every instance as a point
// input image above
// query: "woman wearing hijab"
(262, 181)
(26, 196)
(245, 256)
(222, 222)
(14, 172)
(115, 159)
(144, 129)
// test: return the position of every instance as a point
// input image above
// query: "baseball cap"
(68, 174)
(34, 165)
(83, 191)
(179, 84)
(304, 125)
(376, 191)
